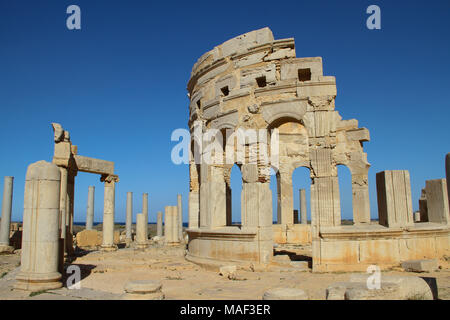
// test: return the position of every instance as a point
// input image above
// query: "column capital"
(109, 178)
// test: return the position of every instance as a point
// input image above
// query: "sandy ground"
(109, 272)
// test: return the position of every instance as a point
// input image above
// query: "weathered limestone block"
(88, 239)
(325, 202)
(360, 134)
(394, 198)
(423, 265)
(390, 288)
(437, 201)
(243, 42)
(290, 69)
(40, 242)
(249, 77)
(285, 294)
(5, 223)
(143, 290)
(275, 110)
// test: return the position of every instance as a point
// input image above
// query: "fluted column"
(108, 212)
(90, 208)
(141, 231)
(6, 214)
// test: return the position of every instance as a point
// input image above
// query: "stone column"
(303, 212)
(180, 218)
(447, 175)
(40, 238)
(194, 209)
(70, 210)
(175, 226)
(6, 215)
(159, 224)
(141, 231)
(145, 212)
(129, 219)
(90, 208)
(62, 218)
(168, 230)
(256, 208)
(108, 212)
(360, 199)
(286, 198)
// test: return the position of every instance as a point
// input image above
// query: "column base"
(108, 248)
(5, 249)
(141, 246)
(38, 282)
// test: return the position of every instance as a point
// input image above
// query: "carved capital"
(109, 178)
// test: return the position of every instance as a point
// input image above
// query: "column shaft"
(90, 208)
(6, 211)
(180, 217)
(108, 215)
(159, 224)
(303, 212)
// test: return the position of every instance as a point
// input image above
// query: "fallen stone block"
(423, 265)
(285, 294)
(228, 272)
(390, 288)
(143, 290)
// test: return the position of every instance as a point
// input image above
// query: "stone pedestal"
(40, 239)
(129, 218)
(141, 234)
(159, 224)
(437, 201)
(90, 209)
(108, 213)
(143, 290)
(5, 224)
(394, 198)
(285, 294)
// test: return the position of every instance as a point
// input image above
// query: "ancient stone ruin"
(254, 81)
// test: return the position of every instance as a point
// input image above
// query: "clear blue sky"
(119, 85)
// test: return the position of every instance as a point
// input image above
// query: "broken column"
(394, 198)
(129, 218)
(159, 222)
(180, 217)
(145, 212)
(6, 215)
(141, 234)
(40, 239)
(303, 213)
(108, 212)
(90, 209)
(437, 201)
